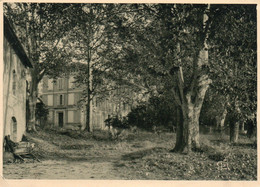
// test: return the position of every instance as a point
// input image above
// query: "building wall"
(14, 94)
(61, 96)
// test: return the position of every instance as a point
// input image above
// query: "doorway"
(60, 119)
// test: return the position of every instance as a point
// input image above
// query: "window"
(60, 84)
(50, 100)
(71, 99)
(70, 116)
(60, 100)
(14, 82)
(50, 84)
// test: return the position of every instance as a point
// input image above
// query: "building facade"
(62, 98)
(16, 64)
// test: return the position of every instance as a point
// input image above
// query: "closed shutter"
(71, 99)
(50, 100)
(70, 116)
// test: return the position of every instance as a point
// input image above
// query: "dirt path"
(98, 160)
(54, 169)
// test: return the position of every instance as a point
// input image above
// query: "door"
(60, 115)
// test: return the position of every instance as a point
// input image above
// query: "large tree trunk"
(191, 97)
(187, 136)
(33, 86)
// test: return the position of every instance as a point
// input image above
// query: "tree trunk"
(87, 117)
(191, 97)
(89, 100)
(179, 131)
(220, 121)
(32, 101)
(243, 127)
(234, 131)
(187, 136)
(191, 113)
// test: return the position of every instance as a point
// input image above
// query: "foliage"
(41, 111)
(233, 57)
(213, 105)
(40, 28)
(156, 112)
(116, 122)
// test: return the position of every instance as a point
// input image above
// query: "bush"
(157, 112)
(117, 122)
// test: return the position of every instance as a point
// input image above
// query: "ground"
(137, 155)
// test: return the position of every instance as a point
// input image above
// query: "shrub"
(157, 112)
(117, 122)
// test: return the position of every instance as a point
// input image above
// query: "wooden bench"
(20, 150)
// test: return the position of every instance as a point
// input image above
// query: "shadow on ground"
(142, 153)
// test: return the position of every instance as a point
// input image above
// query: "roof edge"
(15, 43)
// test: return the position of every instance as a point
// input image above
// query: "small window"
(14, 82)
(60, 100)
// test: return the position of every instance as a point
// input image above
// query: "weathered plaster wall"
(14, 104)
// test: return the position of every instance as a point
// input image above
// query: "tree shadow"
(142, 153)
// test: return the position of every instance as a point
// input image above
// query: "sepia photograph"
(129, 91)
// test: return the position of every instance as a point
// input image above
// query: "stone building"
(16, 64)
(62, 98)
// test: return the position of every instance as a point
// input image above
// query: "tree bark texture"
(189, 112)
